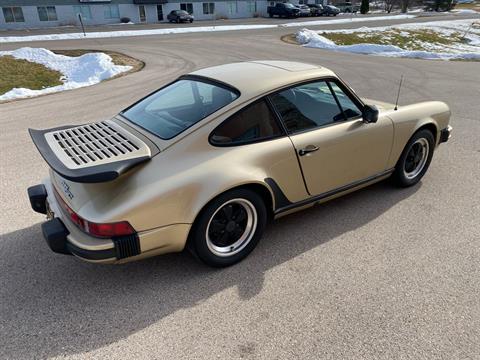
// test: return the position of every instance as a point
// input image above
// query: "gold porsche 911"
(207, 160)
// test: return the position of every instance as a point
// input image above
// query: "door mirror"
(370, 114)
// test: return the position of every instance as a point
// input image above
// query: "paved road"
(382, 273)
(419, 17)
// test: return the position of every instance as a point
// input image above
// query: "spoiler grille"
(95, 144)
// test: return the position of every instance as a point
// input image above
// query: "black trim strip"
(90, 254)
(282, 199)
(126, 246)
(444, 135)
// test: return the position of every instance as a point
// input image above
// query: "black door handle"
(307, 150)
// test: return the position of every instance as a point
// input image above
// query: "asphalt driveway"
(382, 273)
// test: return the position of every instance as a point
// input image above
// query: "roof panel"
(254, 78)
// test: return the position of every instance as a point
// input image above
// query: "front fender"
(409, 119)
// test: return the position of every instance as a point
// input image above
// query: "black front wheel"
(415, 159)
(228, 228)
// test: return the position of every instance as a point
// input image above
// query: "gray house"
(21, 14)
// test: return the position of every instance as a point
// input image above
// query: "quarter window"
(47, 13)
(13, 14)
(254, 123)
(208, 8)
(313, 105)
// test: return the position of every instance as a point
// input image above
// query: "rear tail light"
(106, 230)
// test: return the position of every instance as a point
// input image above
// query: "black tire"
(401, 176)
(191, 21)
(204, 248)
(271, 15)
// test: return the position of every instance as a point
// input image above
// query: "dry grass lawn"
(16, 73)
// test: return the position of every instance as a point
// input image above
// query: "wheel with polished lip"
(415, 159)
(228, 228)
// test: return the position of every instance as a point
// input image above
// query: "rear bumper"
(64, 237)
(445, 134)
(57, 235)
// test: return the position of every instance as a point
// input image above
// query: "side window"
(255, 122)
(307, 106)
(350, 109)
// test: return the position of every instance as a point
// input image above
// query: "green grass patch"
(405, 39)
(16, 73)
(473, 6)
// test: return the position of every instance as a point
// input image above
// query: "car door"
(335, 146)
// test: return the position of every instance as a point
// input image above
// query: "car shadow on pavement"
(54, 304)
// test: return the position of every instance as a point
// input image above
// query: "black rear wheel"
(228, 228)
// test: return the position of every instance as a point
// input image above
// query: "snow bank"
(194, 29)
(464, 11)
(85, 70)
(470, 50)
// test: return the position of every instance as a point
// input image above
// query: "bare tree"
(389, 4)
(404, 5)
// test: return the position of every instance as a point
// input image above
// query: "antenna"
(398, 95)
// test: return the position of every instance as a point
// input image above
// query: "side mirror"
(370, 114)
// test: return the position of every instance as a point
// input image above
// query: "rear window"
(174, 108)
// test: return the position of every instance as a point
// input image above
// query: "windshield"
(182, 12)
(176, 107)
(289, 5)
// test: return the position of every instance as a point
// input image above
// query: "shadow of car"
(53, 300)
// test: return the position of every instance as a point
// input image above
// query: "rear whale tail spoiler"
(91, 153)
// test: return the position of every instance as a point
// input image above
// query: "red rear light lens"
(106, 230)
(110, 229)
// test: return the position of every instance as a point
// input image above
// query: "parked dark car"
(315, 9)
(330, 10)
(179, 16)
(439, 5)
(283, 10)
(348, 7)
(304, 10)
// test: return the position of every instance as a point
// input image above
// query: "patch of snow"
(467, 28)
(193, 29)
(464, 11)
(358, 18)
(81, 71)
